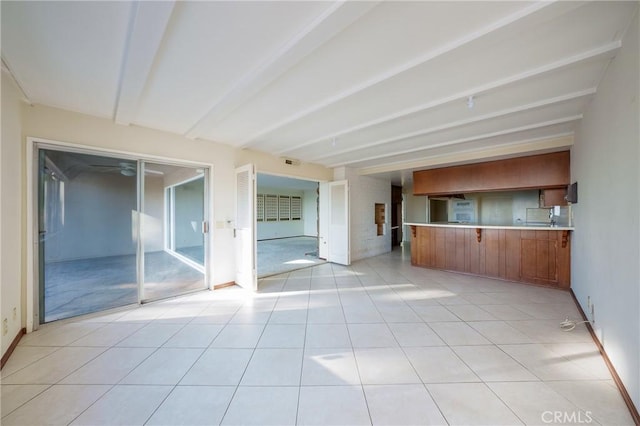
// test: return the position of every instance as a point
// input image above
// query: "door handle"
(205, 227)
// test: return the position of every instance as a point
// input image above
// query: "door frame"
(33, 145)
(246, 275)
(319, 222)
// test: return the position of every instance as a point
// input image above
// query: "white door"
(338, 232)
(323, 219)
(245, 239)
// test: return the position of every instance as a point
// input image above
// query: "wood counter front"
(531, 256)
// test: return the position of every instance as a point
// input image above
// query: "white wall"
(606, 243)
(11, 212)
(310, 212)
(280, 228)
(504, 207)
(415, 210)
(415, 206)
(98, 218)
(364, 193)
(153, 217)
(189, 212)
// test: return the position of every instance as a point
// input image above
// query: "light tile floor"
(380, 342)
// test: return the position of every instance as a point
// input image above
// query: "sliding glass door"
(173, 228)
(116, 231)
(88, 209)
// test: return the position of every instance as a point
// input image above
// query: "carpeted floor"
(286, 254)
(89, 285)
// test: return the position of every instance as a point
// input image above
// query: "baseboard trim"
(224, 285)
(633, 410)
(12, 347)
(284, 238)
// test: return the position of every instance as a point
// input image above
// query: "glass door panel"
(188, 218)
(87, 241)
(173, 219)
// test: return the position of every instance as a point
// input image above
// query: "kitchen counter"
(523, 226)
(534, 253)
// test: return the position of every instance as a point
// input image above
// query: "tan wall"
(69, 127)
(11, 266)
(266, 163)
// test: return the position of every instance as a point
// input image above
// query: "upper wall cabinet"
(553, 197)
(531, 172)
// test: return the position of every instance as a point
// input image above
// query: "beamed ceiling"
(383, 87)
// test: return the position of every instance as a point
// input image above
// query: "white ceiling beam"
(605, 51)
(498, 114)
(324, 27)
(428, 56)
(463, 140)
(7, 68)
(147, 27)
(524, 147)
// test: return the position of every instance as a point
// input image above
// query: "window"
(260, 208)
(284, 206)
(296, 208)
(271, 208)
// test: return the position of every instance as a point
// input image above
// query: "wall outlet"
(593, 313)
(588, 302)
(15, 313)
(5, 327)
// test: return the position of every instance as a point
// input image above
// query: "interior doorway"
(116, 230)
(287, 224)
(396, 216)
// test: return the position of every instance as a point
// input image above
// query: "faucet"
(551, 221)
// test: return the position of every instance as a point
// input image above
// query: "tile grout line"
(424, 385)
(226, 411)
(372, 267)
(189, 369)
(113, 386)
(353, 352)
(304, 347)
(79, 367)
(462, 361)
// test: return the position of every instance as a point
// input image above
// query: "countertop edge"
(514, 227)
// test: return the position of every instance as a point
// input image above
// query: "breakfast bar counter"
(529, 253)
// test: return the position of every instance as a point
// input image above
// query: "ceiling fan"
(124, 168)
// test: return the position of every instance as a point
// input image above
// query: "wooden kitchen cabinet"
(553, 197)
(537, 257)
(530, 172)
